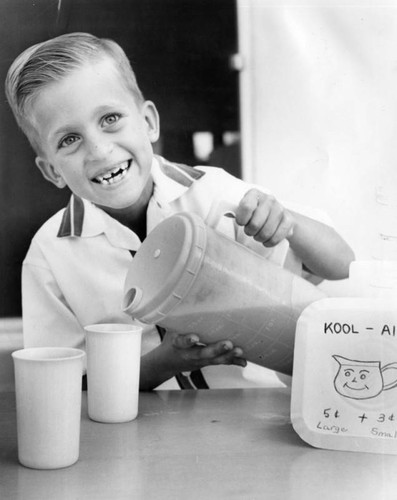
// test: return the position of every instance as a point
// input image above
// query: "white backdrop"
(319, 106)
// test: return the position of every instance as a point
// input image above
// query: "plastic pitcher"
(189, 278)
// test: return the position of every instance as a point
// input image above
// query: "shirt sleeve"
(47, 319)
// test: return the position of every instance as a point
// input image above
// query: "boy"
(77, 100)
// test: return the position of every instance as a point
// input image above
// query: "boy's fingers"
(216, 349)
(230, 358)
(219, 353)
(238, 352)
(284, 230)
(239, 362)
(223, 353)
(247, 207)
(184, 341)
(238, 357)
(265, 220)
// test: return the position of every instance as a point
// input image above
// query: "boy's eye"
(111, 119)
(68, 140)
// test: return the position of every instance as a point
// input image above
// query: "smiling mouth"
(115, 175)
(356, 388)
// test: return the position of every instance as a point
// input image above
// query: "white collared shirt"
(74, 272)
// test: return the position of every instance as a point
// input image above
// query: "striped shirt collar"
(171, 180)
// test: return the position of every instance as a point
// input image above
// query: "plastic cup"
(48, 396)
(113, 366)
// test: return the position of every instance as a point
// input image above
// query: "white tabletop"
(209, 444)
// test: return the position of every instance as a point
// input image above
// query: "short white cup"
(48, 384)
(113, 366)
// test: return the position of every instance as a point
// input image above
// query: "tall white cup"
(113, 366)
(48, 396)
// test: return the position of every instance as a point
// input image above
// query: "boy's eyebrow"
(62, 130)
(105, 108)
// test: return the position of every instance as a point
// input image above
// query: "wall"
(319, 106)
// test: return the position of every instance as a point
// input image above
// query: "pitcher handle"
(219, 210)
(390, 366)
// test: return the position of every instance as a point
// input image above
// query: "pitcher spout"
(131, 300)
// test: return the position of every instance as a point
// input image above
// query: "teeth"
(113, 175)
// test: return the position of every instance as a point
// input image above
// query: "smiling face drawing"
(358, 379)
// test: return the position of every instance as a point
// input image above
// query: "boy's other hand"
(189, 354)
(264, 218)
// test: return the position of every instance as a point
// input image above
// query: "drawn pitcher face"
(362, 379)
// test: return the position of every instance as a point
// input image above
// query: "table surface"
(209, 444)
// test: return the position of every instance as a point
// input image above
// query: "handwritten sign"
(337, 328)
(344, 388)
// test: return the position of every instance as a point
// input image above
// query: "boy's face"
(94, 138)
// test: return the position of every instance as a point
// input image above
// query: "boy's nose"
(98, 148)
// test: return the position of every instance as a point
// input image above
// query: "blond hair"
(52, 60)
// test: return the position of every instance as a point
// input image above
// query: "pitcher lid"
(165, 267)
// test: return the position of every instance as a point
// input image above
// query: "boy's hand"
(264, 218)
(189, 354)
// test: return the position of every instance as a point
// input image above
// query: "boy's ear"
(152, 120)
(49, 172)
